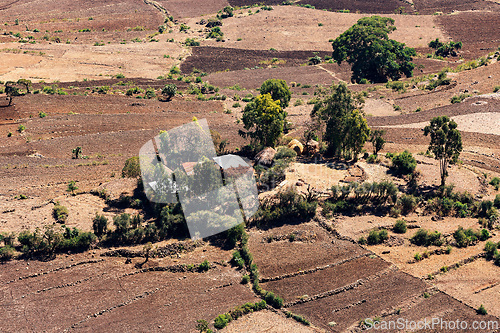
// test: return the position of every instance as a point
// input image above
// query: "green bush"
(496, 203)
(459, 98)
(60, 213)
(100, 225)
(6, 253)
(222, 320)
(204, 266)
(400, 227)
(245, 279)
(425, 238)
(377, 237)
(407, 202)
(482, 310)
(404, 163)
(273, 300)
(132, 168)
(238, 260)
(495, 182)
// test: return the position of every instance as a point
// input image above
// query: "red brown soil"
(192, 8)
(253, 78)
(442, 306)
(361, 6)
(389, 291)
(447, 6)
(290, 289)
(75, 297)
(478, 31)
(216, 59)
(284, 257)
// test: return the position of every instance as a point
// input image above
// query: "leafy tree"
(267, 119)
(279, 91)
(377, 141)
(169, 91)
(26, 83)
(100, 225)
(371, 54)
(446, 143)
(11, 90)
(346, 129)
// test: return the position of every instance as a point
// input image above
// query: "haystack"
(265, 157)
(297, 146)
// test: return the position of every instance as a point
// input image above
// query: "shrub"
(496, 203)
(407, 202)
(482, 310)
(377, 237)
(150, 93)
(495, 182)
(6, 253)
(245, 279)
(362, 240)
(100, 225)
(417, 256)
(273, 300)
(204, 266)
(425, 238)
(132, 168)
(404, 163)
(459, 98)
(238, 260)
(400, 227)
(222, 320)
(491, 250)
(60, 213)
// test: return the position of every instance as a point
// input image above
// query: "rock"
(312, 147)
(299, 183)
(297, 146)
(265, 157)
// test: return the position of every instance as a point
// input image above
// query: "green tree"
(371, 54)
(445, 49)
(11, 90)
(279, 91)
(100, 225)
(72, 187)
(169, 91)
(446, 143)
(339, 110)
(267, 119)
(377, 141)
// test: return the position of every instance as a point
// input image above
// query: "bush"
(459, 98)
(204, 266)
(407, 202)
(222, 320)
(6, 253)
(491, 250)
(482, 310)
(404, 163)
(425, 238)
(377, 237)
(132, 168)
(60, 213)
(100, 225)
(495, 182)
(238, 260)
(496, 203)
(245, 279)
(400, 227)
(273, 300)
(285, 153)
